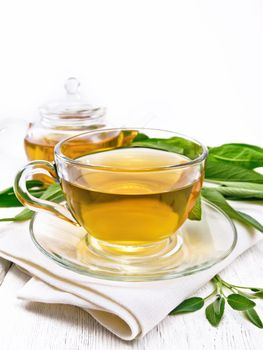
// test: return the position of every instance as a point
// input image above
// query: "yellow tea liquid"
(37, 150)
(131, 207)
(43, 148)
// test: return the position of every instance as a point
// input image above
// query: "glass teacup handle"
(39, 204)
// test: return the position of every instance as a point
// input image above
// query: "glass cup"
(130, 189)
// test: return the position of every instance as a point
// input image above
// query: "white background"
(196, 66)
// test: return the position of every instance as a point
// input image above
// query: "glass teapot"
(61, 119)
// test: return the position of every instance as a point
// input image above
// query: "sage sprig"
(239, 299)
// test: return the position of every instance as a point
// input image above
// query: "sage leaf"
(244, 155)
(253, 317)
(222, 172)
(240, 302)
(52, 193)
(24, 215)
(259, 294)
(244, 185)
(196, 212)
(248, 220)
(241, 193)
(229, 162)
(188, 305)
(213, 196)
(174, 144)
(214, 312)
(8, 198)
(140, 137)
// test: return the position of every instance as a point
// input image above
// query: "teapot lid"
(71, 106)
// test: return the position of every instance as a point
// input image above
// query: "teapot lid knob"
(71, 86)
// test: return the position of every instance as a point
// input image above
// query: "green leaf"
(248, 220)
(253, 317)
(212, 195)
(223, 171)
(196, 212)
(174, 144)
(140, 137)
(244, 155)
(52, 190)
(241, 193)
(215, 311)
(52, 193)
(8, 198)
(259, 294)
(230, 162)
(188, 305)
(245, 185)
(240, 302)
(24, 215)
(34, 183)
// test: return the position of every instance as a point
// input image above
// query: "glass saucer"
(198, 245)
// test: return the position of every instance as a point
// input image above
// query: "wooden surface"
(26, 326)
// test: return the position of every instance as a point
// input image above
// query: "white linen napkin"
(4, 267)
(128, 309)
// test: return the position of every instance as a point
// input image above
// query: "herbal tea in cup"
(130, 189)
